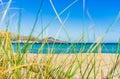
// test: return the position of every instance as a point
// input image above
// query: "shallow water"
(58, 48)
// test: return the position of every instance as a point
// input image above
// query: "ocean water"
(69, 48)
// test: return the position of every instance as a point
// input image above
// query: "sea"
(69, 48)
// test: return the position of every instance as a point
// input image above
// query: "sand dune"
(103, 62)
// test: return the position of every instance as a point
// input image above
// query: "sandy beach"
(103, 63)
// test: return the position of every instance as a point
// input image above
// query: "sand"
(103, 63)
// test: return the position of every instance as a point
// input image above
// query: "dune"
(104, 63)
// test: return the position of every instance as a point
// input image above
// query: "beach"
(103, 63)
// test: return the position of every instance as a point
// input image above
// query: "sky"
(91, 18)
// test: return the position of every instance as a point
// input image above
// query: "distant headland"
(24, 39)
(30, 39)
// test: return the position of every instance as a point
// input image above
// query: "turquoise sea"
(58, 48)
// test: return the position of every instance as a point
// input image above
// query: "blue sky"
(90, 16)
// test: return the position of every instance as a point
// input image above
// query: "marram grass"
(55, 66)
